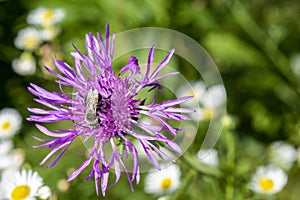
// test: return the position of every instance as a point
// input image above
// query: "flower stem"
(185, 185)
(193, 163)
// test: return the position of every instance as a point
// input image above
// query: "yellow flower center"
(20, 192)
(266, 184)
(208, 113)
(166, 183)
(48, 15)
(31, 42)
(6, 126)
(191, 92)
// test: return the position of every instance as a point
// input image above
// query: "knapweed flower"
(25, 65)
(20, 185)
(268, 180)
(45, 17)
(282, 154)
(10, 122)
(208, 157)
(105, 109)
(28, 39)
(164, 181)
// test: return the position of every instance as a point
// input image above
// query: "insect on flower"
(90, 114)
(106, 107)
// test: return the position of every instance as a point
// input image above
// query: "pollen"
(266, 184)
(31, 42)
(208, 113)
(20, 192)
(6, 126)
(191, 92)
(166, 183)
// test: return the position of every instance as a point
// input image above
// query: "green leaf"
(229, 49)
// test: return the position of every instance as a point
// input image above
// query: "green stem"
(199, 167)
(229, 189)
(185, 184)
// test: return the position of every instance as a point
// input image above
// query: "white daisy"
(196, 89)
(20, 185)
(28, 39)
(268, 180)
(208, 157)
(25, 65)
(213, 98)
(10, 122)
(164, 181)
(44, 192)
(45, 17)
(48, 33)
(209, 99)
(5, 146)
(282, 154)
(12, 160)
(163, 198)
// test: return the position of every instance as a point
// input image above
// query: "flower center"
(20, 192)
(166, 183)
(191, 92)
(208, 113)
(48, 15)
(6, 126)
(31, 42)
(266, 184)
(121, 105)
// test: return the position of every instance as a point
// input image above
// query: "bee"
(91, 101)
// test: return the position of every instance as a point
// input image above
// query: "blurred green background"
(254, 44)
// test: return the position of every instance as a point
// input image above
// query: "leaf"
(227, 48)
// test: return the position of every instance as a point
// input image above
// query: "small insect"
(90, 113)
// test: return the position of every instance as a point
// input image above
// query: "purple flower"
(104, 108)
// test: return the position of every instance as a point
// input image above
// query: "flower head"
(28, 39)
(5, 146)
(209, 157)
(209, 99)
(49, 33)
(45, 17)
(282, 154)
(268, 180)
(164, 181)
(20, 185)
(25, 65)
(12, 160)
(44, 192)
(105, 109)
(10, 122)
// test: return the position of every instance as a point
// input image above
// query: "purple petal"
(58, 157)
(80, 169)
(49, 133)
(162, 64)
(150, 155)
(150, 59)
(65, 69)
